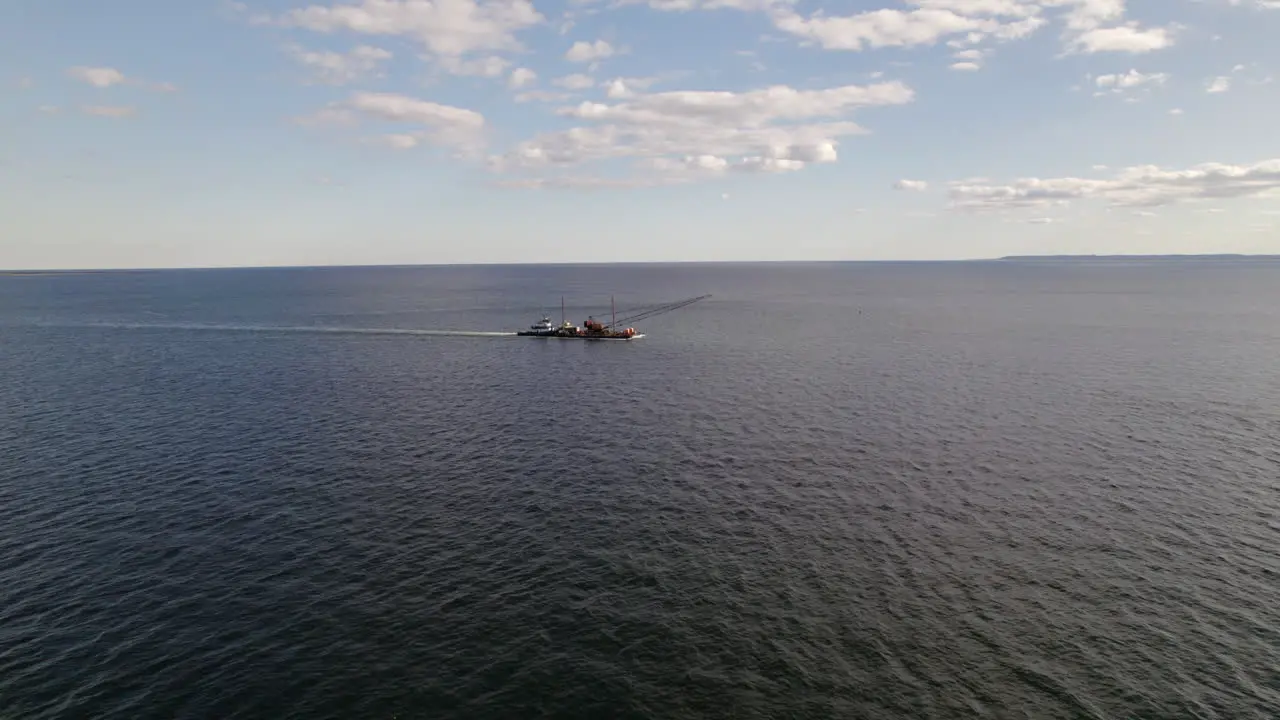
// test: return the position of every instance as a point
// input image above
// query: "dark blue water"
(986, 490)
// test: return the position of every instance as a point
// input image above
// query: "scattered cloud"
(543, 96)
(399, 141)
(109, 111)
(444, 125)
(489, 66)
(582, 52)
(105, 77)
(690, 134)
(1121, 82)
(522, 77)
(1257, 4)
(619, 88)
(888, 28)
(332, 68)
(1090, 26)
(623, 134)
(446, 28)
(398, 108)
(1123, 39)
(99, 77)
(579, 182)
(967, 60)
(683, 136)
(577, 81)
(1136, 186)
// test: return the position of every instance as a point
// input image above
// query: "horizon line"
(571, 263)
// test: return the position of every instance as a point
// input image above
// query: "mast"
(614, 311)
(562, 317)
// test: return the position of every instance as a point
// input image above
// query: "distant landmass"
(1142, 258)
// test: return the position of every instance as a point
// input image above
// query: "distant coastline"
(1139, 258)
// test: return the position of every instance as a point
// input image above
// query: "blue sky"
(142, 133)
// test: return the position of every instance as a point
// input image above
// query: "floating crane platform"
(593, 329)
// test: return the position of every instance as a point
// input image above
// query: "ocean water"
(975, 490)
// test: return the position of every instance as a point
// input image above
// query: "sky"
(153, 133)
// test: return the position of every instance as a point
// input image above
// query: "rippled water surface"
(989, 490)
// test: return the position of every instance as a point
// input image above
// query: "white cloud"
(1132, 79)
(1176, 111)
(332, 68)
(445, 125)
(1124, 38)
(1090, 26)
(1136, 186)
(1258, 4)
(582, 51)
(911, 185)
(686, 5)
(753, 108)
(1043, 221)
(109, 111)
(619, 88)
(398, 108)
(577, 81)
(100, 77)
(400, 141)
(686, 135)
(445, 27)
(880, 28)
(1219, 84)
(522, 77)
(542, 96)
(488, 66)
(966, 60)
(105, 77)
(577, 182)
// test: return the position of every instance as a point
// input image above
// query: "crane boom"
(660, 310)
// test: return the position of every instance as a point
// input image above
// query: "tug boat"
(593, 329)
